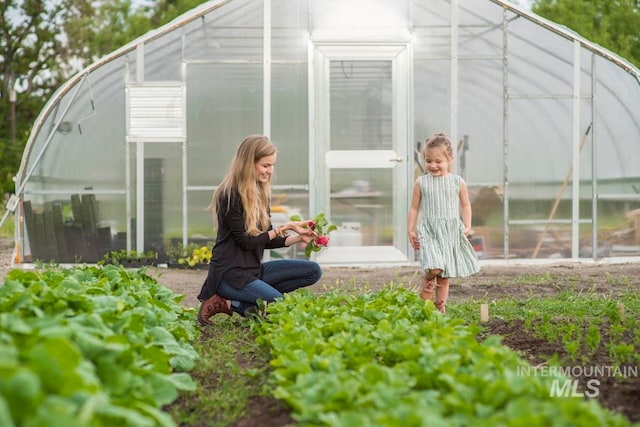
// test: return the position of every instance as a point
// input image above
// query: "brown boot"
(442, 293)
(209, 308)
(428, 286)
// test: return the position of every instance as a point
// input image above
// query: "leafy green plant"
(92, 346)
(322, 228)
(123, 256)
(389, 359)
(593, 336)
(571, 340)
(545, 328)
(621, 352)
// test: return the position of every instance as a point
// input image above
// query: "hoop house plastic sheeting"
(126, 154)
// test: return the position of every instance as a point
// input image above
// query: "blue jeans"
(280, 276)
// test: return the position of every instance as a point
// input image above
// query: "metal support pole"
(505, 133)
(266, 69)
(453, 132)
(576, 148)
(140, 163)
(594, 163)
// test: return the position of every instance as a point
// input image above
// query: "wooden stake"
(621, 308)
(484, 313)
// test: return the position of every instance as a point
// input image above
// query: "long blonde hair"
(255, 196)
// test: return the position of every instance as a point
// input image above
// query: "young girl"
(441, 235)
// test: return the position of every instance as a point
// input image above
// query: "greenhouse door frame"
(393, 162)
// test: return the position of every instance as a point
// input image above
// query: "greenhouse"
(546, 125)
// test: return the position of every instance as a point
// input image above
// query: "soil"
(496, 280)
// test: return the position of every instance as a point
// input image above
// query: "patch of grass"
(543, 278)
(568, 304)
(231, 370)
(619, 280)
(8, 227)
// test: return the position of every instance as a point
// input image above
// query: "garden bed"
(493, 283)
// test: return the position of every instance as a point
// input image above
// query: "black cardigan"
(237, 256)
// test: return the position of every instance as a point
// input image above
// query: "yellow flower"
(200, 255)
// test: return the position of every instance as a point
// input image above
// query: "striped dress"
(443, 244)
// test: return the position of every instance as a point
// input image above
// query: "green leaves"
(613, 25)
(390, 359)
(91, 346)
(321, 226)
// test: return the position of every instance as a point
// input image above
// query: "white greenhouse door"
(360, 107)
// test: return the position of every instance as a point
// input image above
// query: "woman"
(237, 277)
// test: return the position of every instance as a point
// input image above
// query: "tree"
(95, 28)
(166, 10)
(36, 57)
(30, 46)
(611, 24)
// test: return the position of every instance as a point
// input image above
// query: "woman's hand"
(305, 234)
(306, 238)
(302, 228)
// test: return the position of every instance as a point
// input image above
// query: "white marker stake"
(484, 313)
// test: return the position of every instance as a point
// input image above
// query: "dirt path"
(493, 282)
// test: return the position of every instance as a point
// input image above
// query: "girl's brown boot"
(442, 293)
(428, 286)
